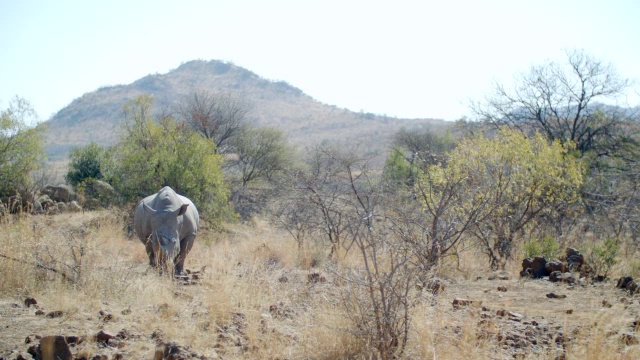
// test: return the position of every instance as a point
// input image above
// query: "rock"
(62, 207)
(125, 312)
(555, 296)
(74, 340)
(623, 281)
(575, 260)
(55, 314)
(172, 351)
(499, 275)
(105, 315)
(103, 337)
(501, 312)
(59, 193)
(458, 303)
(30, 301)
(606, 304)
(555, 265)
(566, 277)
(514, 316)
(569, 311)
(39, 312)
(535, 268)
(283, 279)
(54, 348)
(316, 278)
(74, 206)
(502, 288)
(45, 202)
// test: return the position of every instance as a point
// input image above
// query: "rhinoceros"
(166, 223)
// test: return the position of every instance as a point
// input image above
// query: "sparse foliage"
(565, 102)
(217, 116)
(20, 146)
(260, 153)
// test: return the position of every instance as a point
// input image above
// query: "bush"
(546, 247)
(85, 163)
(604, 256)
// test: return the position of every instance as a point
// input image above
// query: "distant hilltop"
(95, 116)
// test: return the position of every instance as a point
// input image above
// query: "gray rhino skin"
(167, 224)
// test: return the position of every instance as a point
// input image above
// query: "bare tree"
(564, 102)
(217, 116)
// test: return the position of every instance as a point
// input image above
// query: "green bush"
(546, 247)
(153, 154)
(604, 256)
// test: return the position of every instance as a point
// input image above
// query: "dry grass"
(255, 300)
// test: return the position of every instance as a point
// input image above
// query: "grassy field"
(252, 295)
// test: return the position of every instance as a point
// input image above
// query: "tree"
(260, 153)
(151, 155)
(21, 149)
(217, 116)
(85, 163)
(411, 150)
(565, 102)
(523, 180)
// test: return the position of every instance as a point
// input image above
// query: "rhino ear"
(148, 209)
(182, 209)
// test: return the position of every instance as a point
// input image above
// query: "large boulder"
(74, 206)
(556, 265)
(575, 260)
(535, 268)
(59, 193)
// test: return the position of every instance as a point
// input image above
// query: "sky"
(408, 59)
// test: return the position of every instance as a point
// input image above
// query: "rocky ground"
(524, 318)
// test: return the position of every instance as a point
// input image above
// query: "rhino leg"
(152, 256)
(185, 246)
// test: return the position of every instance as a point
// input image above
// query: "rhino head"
(165, 237)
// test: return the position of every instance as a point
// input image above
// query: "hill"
(95, 115)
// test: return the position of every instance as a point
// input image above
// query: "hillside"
(95, 115)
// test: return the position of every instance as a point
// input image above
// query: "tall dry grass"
(255, 299)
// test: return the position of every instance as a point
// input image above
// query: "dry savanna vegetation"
(511, 236)
(258, 295)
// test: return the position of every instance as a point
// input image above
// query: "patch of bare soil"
(537, 318)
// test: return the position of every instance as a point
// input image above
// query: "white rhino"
(167, 224)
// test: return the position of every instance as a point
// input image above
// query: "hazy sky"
(400, 58)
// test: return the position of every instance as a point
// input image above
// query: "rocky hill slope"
(95, 115)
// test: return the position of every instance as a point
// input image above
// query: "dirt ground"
(519, 317)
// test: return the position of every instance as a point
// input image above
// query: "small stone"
(555, 296)
(105, 315)
(283, 279)
(30, 301)
(502, 288)
(54, 314)
(569, 311)
(103, 337)
(457, 303)
(39, 312)
(606, 304)
(316, 278)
